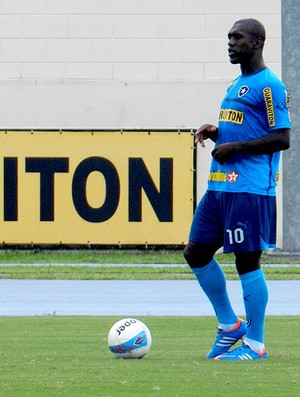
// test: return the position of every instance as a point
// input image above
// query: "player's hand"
(225, 151)
(204, 132)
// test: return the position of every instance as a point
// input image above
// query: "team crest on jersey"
(243, 90)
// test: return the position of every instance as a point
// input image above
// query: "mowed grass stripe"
(81, 272)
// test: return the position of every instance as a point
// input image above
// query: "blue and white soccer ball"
(129, 338)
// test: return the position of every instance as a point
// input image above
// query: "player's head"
(253, 27)
(246, 40)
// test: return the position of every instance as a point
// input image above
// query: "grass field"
(82, 272)
(108, 256)
(68, 356)
(40, 264)
(53, 356)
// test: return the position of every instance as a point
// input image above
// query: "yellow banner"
(83, 187)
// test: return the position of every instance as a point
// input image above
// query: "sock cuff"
(204, 269)
(251, 276)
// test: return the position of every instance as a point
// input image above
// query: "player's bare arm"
(204, 132)
(273, 142)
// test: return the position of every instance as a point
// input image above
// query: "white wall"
(122, 63)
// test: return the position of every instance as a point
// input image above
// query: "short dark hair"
(253, 27)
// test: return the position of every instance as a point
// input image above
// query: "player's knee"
(247, 262)
(196, 256)
(189, 256)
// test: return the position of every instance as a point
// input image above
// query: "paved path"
(130, 298)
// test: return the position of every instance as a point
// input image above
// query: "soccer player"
(238, 210)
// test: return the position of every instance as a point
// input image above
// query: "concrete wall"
(122, 63)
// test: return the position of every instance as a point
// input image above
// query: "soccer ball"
(129, 338)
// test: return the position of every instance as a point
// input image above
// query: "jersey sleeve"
(276, 99)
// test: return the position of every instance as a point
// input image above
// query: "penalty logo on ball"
(129, 338)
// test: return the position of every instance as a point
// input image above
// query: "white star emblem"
(232, 176)
(243, 90)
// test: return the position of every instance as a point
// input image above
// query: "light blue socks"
(212, 280)
(255, 294)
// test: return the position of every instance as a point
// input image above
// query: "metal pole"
(290, 14)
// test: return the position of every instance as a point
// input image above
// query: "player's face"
(240, 45)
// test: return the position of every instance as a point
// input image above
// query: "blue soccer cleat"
(226, 339)
(243, 353)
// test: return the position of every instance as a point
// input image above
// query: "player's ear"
(258, 43)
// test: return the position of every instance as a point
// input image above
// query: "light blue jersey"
(254, 106)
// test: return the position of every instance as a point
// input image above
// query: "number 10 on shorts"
(235, 236)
